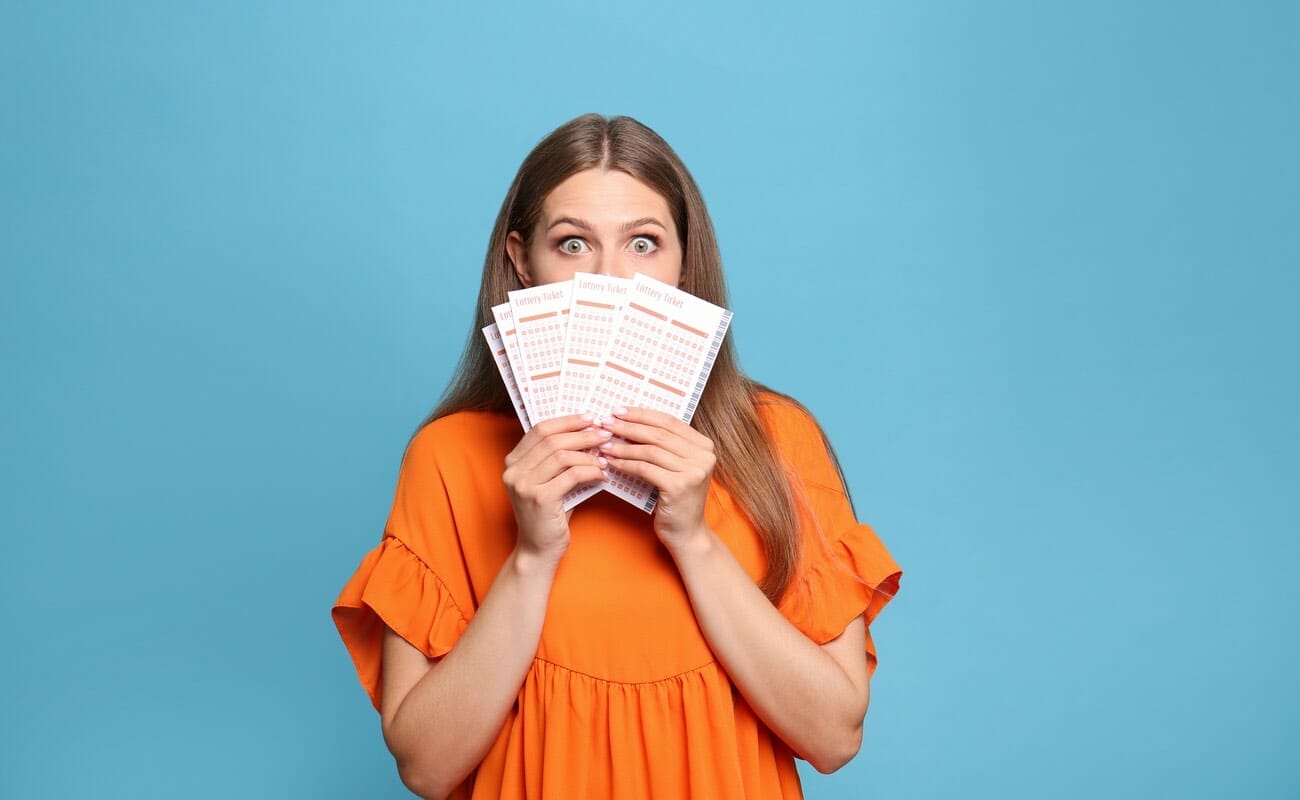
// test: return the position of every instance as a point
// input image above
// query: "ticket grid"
(506, 326)
(659, 356)
(597, 343)
(597, 299)
(541, 324)
(498, 349)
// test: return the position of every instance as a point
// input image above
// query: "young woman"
(515, 650)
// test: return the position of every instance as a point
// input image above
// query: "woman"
(514, 650)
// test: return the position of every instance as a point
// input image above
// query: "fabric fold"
(844, 568)
(393, 587)
(589, 737)
(852, 575)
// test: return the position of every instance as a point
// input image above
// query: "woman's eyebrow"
(574, 221)
(582, 224)
(636, 223)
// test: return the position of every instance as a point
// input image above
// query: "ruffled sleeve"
(845, 569)
(414, 581)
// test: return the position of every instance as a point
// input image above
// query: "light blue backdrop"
(1034, 265)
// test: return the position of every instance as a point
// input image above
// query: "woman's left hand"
(669, 455)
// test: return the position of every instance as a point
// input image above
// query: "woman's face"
(599, 221)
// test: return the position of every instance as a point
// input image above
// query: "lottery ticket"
(659, 356)
(498, 349)
(541, 316)
(597, 299)
(505, 323)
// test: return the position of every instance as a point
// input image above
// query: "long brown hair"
(748, 466)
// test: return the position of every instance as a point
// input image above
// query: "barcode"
(707, 366)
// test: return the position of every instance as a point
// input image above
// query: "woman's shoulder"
(783, 415)
(467, 421)
(463, 433)
(799, 438)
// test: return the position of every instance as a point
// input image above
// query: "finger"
(660, 419)
(527, 479)
(653, 474)
(587, 439)
(572, 478)
(643, 452)
(546, 495)
(547, 429)
(642, 433)
(550, 427)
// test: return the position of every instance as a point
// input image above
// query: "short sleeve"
(414, 581)
(845, 570)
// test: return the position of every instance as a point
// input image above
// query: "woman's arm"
(813, 696)
(441, 716)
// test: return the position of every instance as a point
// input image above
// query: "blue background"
(1033, 265)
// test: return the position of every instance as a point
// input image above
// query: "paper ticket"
(541, 316)
(659, 356)
(492, 333)
(597, 300)
(505, 323)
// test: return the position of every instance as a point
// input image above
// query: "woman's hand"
(550, 460)
(671, 456)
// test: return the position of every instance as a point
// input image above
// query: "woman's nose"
(607, 262)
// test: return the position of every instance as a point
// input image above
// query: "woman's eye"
(573, 246)
(644, 244)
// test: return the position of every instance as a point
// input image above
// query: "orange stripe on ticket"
(536, 316)
(686, 327)
(645, 310)
(666, 387)
(593, 304)
(545, 375)
(583, 363)
(612, 365)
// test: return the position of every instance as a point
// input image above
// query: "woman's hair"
(748, 465)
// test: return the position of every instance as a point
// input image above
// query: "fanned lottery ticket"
(597, 300)
(498, 348)
(541, 316)
(662, 349)
(505, 323)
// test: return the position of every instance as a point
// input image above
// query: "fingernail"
(602, 462)
(606, 445)
(589, 418)
(620, 411)
(606, 434)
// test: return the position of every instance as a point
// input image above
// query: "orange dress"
(624, 698)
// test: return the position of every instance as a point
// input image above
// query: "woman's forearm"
(448, 721)
(794, 685)
(450, 715)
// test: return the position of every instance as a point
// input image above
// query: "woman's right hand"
(550, 460)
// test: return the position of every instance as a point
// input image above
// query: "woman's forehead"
(600, 196)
